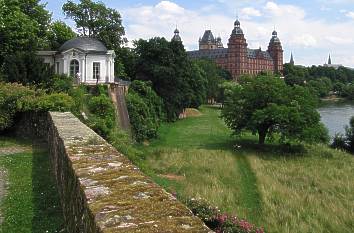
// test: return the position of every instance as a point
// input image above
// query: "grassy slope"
(200, 149)
(312, 192)
(31, 203)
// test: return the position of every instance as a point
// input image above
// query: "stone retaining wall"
(102, 191)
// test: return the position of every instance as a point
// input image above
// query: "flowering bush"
(220, 223)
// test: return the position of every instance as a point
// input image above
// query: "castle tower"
(292, 60)
(176, 37)
(207, 41)
(237, 52)
(276, 52)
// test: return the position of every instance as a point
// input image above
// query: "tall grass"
(285, 189)
(309, 193)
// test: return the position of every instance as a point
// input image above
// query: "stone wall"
(102, 191)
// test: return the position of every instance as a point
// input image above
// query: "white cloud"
(350, 14)
(305, 40)
(311, 39)
(248, 12)
(284, 10)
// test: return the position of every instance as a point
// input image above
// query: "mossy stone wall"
(102, 191)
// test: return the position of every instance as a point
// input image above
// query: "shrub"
(102, 115)
(144, 123)
(16, 98)
(60, 83)
(339, 142)
(145, 109)
(54, 102)
(220, 223)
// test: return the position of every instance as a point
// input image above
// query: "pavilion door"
(75, 70)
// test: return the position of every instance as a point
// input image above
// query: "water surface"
(335, 115)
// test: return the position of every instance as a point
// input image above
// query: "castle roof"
(208, 53)
(222, 53)
(207, 37)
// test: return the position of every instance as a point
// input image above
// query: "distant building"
(329, 63)
(237, 58)
(85, 59)
(292, 60)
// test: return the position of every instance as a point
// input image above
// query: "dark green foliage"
(59, 83)
(58, 34)
(102, 115)
(321, 80)
(214, 76)
(24, 26)
(94, 19)
(339, 142)
(266, 105)
(145, 109)
(320, 86)
(59, 102)
(174, 78)
(26, 68)
(15, 98)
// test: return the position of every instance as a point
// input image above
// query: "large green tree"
(214, 77)
(173, 76)
(59, 33)
(23, 30)
(94, 19)
(266, 105)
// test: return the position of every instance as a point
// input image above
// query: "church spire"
(292, 59)
(329, 60)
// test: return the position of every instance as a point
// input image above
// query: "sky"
(311, 30)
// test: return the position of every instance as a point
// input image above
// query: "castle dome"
(237, 23)
(176, 31)
(275, 33)
(84, 43)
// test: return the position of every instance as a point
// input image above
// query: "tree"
(59, 33)
(94, 19)
(23, 30)
(266, 105)
(173, 76)
(213, 76)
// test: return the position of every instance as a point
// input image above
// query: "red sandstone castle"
(237, 58)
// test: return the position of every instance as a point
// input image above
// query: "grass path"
(31, 202)
(199, 152)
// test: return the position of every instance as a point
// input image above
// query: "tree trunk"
(262, 136)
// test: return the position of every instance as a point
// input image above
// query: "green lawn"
(311, 191)
(31, 203)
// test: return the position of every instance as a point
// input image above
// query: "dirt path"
(3, 175)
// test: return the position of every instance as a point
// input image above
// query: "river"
(335, 115)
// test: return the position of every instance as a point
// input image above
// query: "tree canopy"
(173, 76)
(94, 19)
(59, 33)
(266, 105)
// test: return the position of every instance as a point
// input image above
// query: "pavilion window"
(96, 70)
(74, 68)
